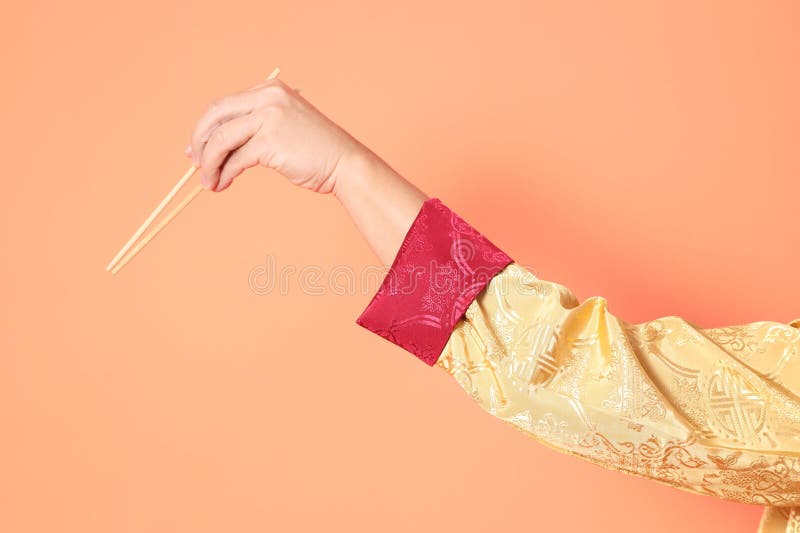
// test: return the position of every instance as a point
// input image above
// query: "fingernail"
(188, 150)
(204, 181)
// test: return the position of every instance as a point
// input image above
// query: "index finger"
(222, 111)
(218, 113)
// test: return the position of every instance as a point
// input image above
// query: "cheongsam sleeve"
(713, 411)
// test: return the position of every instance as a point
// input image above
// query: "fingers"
(225, 139)
(238, 161)
(217, 114)
(233, 106)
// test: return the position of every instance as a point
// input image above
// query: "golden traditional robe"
(712, 411)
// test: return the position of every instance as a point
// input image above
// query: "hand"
(271, 125)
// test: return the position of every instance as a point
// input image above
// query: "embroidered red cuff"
(442, 265)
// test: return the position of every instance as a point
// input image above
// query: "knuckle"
(271, 114)
(277, 91)
(218, 137)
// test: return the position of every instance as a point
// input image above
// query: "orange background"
(643, 151)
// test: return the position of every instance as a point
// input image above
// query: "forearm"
(380, 201)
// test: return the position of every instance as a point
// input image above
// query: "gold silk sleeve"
(712, 411)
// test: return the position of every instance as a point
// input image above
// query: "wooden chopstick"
(161, 225)
(116, 265)
(181, 182)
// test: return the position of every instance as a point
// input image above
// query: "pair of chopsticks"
(119, 261)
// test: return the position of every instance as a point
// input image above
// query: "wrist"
(355, 170)
(380, 201)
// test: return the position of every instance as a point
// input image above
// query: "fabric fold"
(711, 411)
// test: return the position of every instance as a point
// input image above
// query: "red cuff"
(442, 265)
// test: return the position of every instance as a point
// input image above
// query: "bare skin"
(271, 125)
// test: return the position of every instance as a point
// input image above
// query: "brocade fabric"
(713, 411)
(442, 264)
